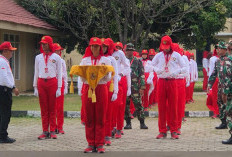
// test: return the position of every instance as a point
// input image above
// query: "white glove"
(159, 71)
(79, 92)
(58, 92)
(114, 97)
(107, 77)
(150, 78)
(128, 92)
(65, 90)
(36, 93)
(175, 73)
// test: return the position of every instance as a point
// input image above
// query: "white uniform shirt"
(114, 64)
(121, 60)
(127, 74)
(187, 65)
(212, 62)
(193, 70)
(148, 67)
(103, 60)
(6, 76)
(54, 66)
(205, 64)
(64, 73)
(175, 65)
(186, 75)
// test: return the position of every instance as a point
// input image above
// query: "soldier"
(220, 71)
(137, 88)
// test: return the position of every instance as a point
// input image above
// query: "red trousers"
(124, 96)
(212, 99)
(82, 107)
(153, 96)
(205, 81)
(145, 97)
(181, 101)
(192, 84)
(109, 110)
(132, 107)
(95, 115)
(119, 108)
(60, 109)
(47, 98)
(187, 91)
(167, 104)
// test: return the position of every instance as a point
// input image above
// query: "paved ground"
(198, 135)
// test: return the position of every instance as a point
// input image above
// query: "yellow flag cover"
(93, 74)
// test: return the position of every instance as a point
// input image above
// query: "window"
(14, 61)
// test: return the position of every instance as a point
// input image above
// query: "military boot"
(223, 125)
(229, 141)
(128, 124)
(142, 124)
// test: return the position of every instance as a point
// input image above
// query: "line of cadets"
(170, 73)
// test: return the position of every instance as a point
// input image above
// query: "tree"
(141, 22)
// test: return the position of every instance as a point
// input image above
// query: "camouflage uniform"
(137, 83)
(223, 70)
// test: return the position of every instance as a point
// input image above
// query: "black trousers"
(5, 110)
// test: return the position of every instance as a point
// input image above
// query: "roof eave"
(29, 29)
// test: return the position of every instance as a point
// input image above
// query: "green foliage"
(192, 23)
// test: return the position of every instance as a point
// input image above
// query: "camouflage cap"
(130, 47)
(222, 45)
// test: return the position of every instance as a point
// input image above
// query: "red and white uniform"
(111, 98)
(182, 81)
(168, 67)
(80, 91)
(95, 112)
(119, 110)
(214, 106)
(60, 99)
(47, 79)
(193, 76)
(149, 71)
(205, 63)
(145, 97)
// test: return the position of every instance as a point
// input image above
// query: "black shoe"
(222, 126)
(229, 141)
(7, 140)
(128, 126)
(142, 124)
(113, 132)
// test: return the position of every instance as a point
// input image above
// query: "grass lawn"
(198, 86)
(73, 103)
(198, 105)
